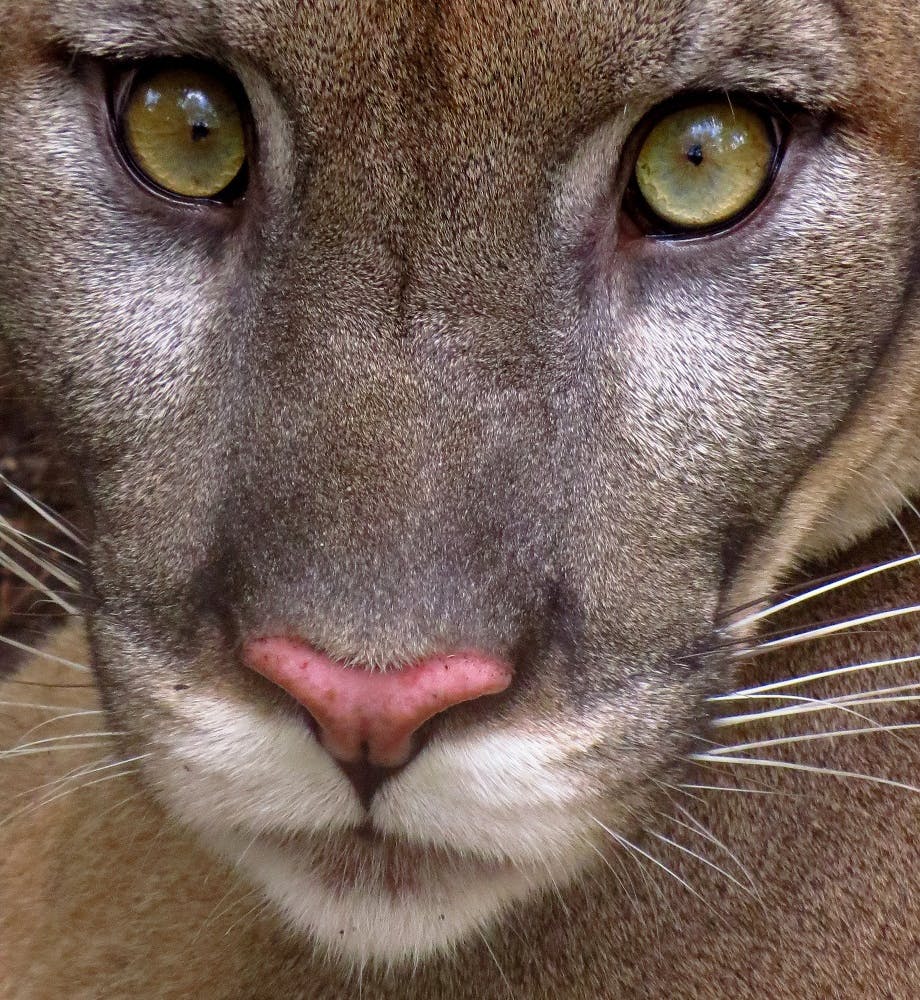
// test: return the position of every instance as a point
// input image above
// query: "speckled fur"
(423, 389)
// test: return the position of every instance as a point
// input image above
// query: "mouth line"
(365, 859)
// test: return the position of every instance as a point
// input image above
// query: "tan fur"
(427, 387)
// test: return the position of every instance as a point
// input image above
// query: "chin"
(364, 898)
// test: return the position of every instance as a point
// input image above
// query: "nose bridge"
(392, 484)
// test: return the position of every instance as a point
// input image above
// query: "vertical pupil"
(695, 154)
(200, 130)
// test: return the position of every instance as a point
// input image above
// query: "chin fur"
(377, 917)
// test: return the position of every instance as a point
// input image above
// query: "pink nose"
(359, 710)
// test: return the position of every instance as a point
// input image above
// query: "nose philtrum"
(368, 716)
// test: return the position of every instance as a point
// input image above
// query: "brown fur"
(425, 388)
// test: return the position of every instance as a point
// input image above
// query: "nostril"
(364, 715)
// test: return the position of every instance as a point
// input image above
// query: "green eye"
(183, 128)
(704, 165)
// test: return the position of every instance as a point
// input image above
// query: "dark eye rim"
(777, 116)
(125, 78)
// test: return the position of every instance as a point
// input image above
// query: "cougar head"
(439, 378)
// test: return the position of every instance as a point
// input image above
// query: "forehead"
(457, 52)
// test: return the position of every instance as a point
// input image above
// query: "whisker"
(680, 791)
(835, 627)
(629, 845)
(7, 526)
(34, 806)
(629, 895)
(49, 567)
(120, 803)
(68, 748)
(897, 523)
(45, 655)
(694, 825)
(33, 706)
(824, 588)
(33, 581)
(710, 755)
(819, 675)
(495, 960)
(56, 522)
(58, 718)
(60, 739)
(812, 705)
(704, 860)
(81, 771)
(811, 769)
(906, 500)
(218, 910)
(259, 907)
(770, 599)
(46, 684)
(717, 770)
(731, 788)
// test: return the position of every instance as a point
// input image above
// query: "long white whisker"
(710, 755)
(620, 839)
(905, 499)
(679, 791)
(707, 834)
(61, 718)
(34, 806)
(6, 640)
(41, 510)
(60, 575)
(808, 768)
(820, 675)
(731, 788)
(703, 860)
(629, 895)
(262, 904)
(61, 739)
(791, 602)
(81, 771)
(812, 705)
(495, 960)
(67, 748)
(218, 909)
(33, 581)
(34, 706)
(833, 628)
(6, 525)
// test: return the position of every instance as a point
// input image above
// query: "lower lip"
(364, 859)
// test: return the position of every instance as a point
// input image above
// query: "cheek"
(720, 366)
(111, 303)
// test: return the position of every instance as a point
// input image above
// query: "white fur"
(495, 795)
(500, 808)
(228, 765)
(360, 926)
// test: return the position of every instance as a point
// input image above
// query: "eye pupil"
(200, 130)
(695, 154)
